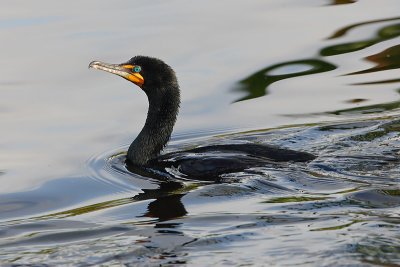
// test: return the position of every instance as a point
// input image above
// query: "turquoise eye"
(137, 69)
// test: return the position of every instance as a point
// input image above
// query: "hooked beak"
(123, 70)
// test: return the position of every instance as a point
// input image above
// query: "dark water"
(316, 76)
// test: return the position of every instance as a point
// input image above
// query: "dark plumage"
(159, 82)
(162, 90)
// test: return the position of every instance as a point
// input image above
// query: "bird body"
(159, 82)
(209, 162)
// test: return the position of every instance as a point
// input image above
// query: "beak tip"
(93, 64)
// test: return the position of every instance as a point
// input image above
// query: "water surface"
(317, 76)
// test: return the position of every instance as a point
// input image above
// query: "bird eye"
(137, 69)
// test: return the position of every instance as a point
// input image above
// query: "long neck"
(161, 117)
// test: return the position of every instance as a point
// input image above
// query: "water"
(317, 76)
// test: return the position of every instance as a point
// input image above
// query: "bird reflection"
(166, 208)
(167, 204)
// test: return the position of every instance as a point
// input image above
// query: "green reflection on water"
(338, 227)
(88, 209)
(378, 250)
(343, 31)
(342, 2)
(386, 60)
(168, 192)
(293, 199)
(383, 34)
(393, 192)
(368, 136)
(379, 82)
(378, 108)
(256, 85)
(391, 127)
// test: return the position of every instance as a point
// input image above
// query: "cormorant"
(159, 82)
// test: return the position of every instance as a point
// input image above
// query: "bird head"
(150, 74)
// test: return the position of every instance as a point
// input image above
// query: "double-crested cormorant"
(159, 82)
